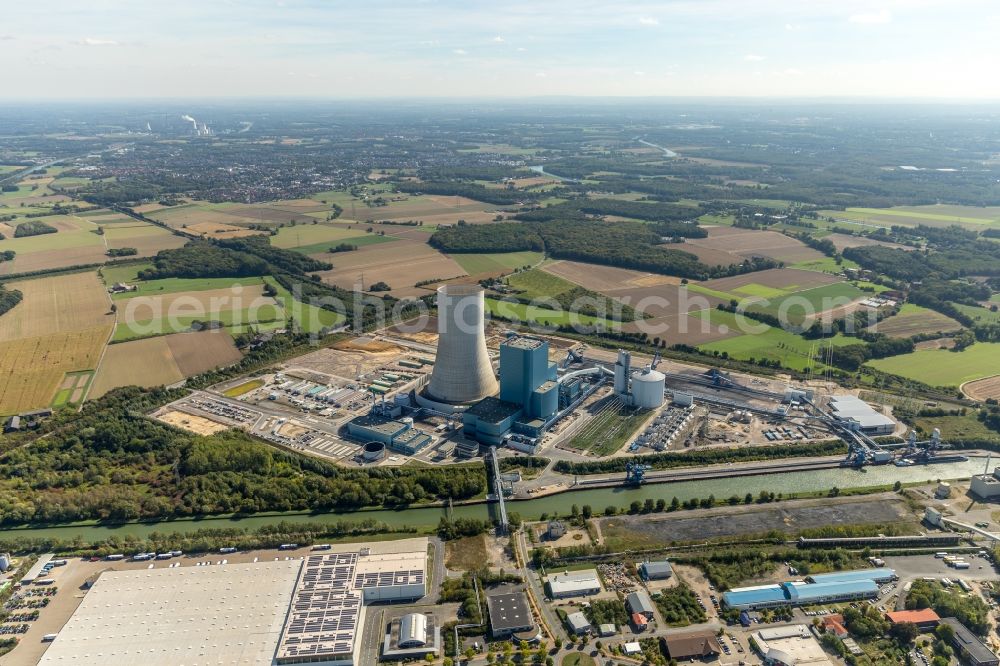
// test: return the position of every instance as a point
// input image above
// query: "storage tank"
(373, 451)
(647, 389)
(462, 372)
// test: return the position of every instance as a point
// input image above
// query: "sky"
(70, 49)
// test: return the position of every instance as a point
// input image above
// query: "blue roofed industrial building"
(821, 589)
(877, 575)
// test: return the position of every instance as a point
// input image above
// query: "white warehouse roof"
(849, 407)
(574, 582)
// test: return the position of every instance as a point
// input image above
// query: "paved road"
(549, 616)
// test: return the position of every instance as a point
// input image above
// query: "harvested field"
(57, 304)
(842, 241)
(439, 208)
(43, 260)
(204, 303)
(983, 389)
(786, 279)
(199, 425)
(163, 360)
(191, 214)
(915, 320)
(706, 255)
(606, 278)
(33, 368)
(789, 518)
(218, 230)
(937, 343)
(750, 242)
(400, 265)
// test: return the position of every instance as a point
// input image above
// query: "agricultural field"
(61, 326)
(916, 320)
(501, 262)
(322, 235)
(163, 360)
(399, 264)
(530, 314)
(844, 241)
(941, 367)
(73, 389)
(774, 344)
(729, 245)
(983, 389)
(978, 314)
(825, 265)
(307, 318)
(605, 279)
(971, 217)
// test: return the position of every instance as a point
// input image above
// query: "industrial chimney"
(462, 370)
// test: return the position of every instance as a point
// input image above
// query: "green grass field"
(313, 234)
(825, 265)
(774, 344)
(127, 273)
(941, 367)
(501, 262)
(980, 315)
(177, 285)
(530, 313)
(61, 240)
(934, 215)
(308, 318)
(539, 284)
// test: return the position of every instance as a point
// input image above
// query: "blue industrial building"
(821, 589)
(529, 394)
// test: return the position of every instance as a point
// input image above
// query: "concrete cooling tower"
(462, 370)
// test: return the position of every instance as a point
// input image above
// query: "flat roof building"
(574, 584)
(798, 593)
(969, 646)
(578, 623)
(881, 575)
(792, 645)
(279, 612)
(509, 612)
(412, 636)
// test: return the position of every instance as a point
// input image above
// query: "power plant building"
(462, 373)
(529, 394)
(399, 436)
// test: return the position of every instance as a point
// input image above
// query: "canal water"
(597, 498)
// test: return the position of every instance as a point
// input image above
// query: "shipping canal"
(598, 498)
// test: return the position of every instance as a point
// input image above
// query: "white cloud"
(460, 52)
(639, 73)
(90, 41)
(753, 57)
(792, 27)
(430, 42)
(540, 75)
(791, 71)
(871, 18)
(648, 20)
(521, 49)
(499, 39)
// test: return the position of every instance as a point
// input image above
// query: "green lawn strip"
(943, 367)
(825, 265)
(980, 315)
(240, 319)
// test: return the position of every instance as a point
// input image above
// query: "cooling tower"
(462, 370)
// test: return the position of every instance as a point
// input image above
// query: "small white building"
(578, 623)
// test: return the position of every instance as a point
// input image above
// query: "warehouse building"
(798, 593)
(969, 646)
(986, 486)
(509, 613)
(277, 612)
(861, 415)
(639, 603)
(657, 570)
(792, 645)
(574, 584)
(578, 623)
(880, 576)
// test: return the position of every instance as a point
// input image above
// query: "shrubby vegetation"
(237, 257)
(968, 609)
(679, 606)
(111, 463)
(8, 298)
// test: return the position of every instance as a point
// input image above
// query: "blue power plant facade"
(529, 393)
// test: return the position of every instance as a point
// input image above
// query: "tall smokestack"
(462, 370)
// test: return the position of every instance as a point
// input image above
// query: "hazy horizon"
(905, 50)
